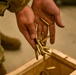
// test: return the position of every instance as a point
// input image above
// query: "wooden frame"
(64, 64)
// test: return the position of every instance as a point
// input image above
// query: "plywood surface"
(58, 59)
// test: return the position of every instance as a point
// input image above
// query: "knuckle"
(20, 30)
(30, 22)
(58, 12)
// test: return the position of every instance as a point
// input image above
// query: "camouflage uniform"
(12, 6)
(68, 2)
(1, 53)
(65, 2)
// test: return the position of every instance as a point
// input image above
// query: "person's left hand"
(26, 24)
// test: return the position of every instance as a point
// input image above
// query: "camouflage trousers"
(1, 53)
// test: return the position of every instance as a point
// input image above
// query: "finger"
(52, 32)
(26, 34)
(32, 30)
(31, 41)
(39, 28)
(39, 31)
(45, 31)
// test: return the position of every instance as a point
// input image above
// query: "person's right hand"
(44, 9)
(25, 20)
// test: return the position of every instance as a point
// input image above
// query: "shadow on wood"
(64, 65)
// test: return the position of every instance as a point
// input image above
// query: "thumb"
(58, 21)
(32, 30)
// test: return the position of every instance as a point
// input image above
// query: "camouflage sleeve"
(12, 5)
(16, 5)
(3, 7)
(2, 59)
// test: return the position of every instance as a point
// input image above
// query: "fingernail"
(33, 36)
(63, 26)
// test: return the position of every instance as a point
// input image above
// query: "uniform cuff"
(15, 8)
(3, 7)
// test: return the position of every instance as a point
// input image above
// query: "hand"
(25, 20)
(44, 9)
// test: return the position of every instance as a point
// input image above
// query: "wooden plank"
(64, 58)
(63, 63)
(73, 73)
(26, 67)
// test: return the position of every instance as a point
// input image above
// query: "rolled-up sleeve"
(3, 7)
(17, 5)
(12, 5)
